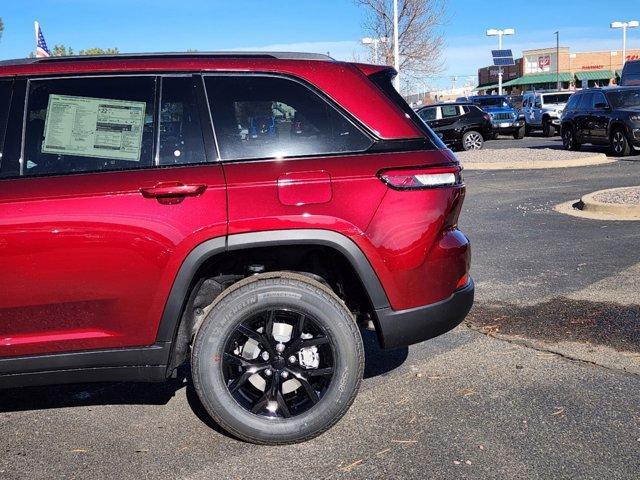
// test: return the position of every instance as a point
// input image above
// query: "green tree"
(1, 27)
(61, 51)
(100, 51)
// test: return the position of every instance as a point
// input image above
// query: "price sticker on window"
(94, 127)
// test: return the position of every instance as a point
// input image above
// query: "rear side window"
(89, 125)
(6, 89)
(572, 104)
(428, 114)
(585, 101)
(269, 117)
(180, 136)
(449, 111)
(598, 99)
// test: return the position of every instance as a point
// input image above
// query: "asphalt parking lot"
(466, 405)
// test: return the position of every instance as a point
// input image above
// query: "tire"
(527, 129)
(326, 387)
(472, 140)
(548, 129)
(569, 141)
(620, 146)
(519, 133)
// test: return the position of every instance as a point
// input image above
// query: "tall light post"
(624, 26)
(396, 47)
(492, 32)
(558, 86)
(375, 42)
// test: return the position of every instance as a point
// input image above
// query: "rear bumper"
(399, 328)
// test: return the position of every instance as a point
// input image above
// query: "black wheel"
(620, 146)
(519, 133)
(548, 129)
(278, 359)
(569, 140)
(472, 140)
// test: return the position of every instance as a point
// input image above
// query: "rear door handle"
(172, 190)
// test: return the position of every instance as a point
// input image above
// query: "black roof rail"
(128, 56)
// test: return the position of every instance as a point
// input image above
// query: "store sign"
(633, 57)
(592, 67)
(544, 61)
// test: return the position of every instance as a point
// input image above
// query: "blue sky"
(307, 25)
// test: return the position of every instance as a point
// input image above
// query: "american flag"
(41, 46)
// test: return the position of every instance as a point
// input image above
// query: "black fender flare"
(199, 255)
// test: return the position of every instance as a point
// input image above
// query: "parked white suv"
(542, 110)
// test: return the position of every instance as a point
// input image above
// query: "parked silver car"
(542, 110)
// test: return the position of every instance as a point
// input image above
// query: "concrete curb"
(587, 160)
(567, 208)
(622, 210)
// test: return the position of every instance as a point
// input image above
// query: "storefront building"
(539, 70)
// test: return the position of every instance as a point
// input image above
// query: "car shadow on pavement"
(377, 362)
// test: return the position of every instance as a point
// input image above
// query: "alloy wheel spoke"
(313, 342)
(238, 382)
(258, 337)
(311, 393)
(261, 404)
(276, 395)
(268, 329)
(239, 361)
(298, 327)
(300, 343)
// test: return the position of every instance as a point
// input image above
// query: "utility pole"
(492, 32)
(624, 26)
(558, 86)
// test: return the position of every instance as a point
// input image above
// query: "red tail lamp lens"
(420, 178)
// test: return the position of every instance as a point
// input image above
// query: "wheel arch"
(614, 125)
(209, 251)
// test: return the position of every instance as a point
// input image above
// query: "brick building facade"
(537, 70)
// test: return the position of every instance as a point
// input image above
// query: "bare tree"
(419, 39)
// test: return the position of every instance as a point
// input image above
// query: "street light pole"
(558, 87)
(500, 33)
(396, 47)
(624, 26)
(492, 32)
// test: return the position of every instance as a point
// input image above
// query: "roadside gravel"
(624, 196)
(529, 158)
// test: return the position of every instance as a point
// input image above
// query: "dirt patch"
(562, 319)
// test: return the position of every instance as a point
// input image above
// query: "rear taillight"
(487, 117)
(420, 178)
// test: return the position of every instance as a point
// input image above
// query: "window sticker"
(94, 127)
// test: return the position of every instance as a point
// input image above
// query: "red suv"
(247, 212)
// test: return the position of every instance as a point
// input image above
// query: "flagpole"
(36, 27)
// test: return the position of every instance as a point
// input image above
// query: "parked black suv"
(459, 125)
(603, 116)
